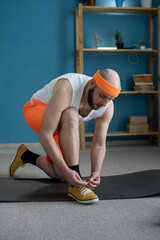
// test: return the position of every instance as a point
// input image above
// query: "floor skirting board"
(15, 145)
(88, 144)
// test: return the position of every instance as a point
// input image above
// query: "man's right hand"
(74, 179)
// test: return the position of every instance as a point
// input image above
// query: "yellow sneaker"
(17, 162)
(82, 195)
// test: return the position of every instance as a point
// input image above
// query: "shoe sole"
(14, 158)
(95, 200)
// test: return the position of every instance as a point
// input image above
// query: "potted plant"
(142, 44)
(119, 39)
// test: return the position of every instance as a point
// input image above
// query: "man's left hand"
(94, 180)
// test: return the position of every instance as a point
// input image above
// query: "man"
(55, 112)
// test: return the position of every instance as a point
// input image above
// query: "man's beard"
(90, 97)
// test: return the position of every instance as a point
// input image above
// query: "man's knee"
(70, 117)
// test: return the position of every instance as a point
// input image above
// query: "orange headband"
(106, 86)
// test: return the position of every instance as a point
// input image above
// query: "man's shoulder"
(77, 80)
(74, 75)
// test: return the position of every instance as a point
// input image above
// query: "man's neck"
(84, 108)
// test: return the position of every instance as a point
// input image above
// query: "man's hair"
(111, 76)
(105, 74)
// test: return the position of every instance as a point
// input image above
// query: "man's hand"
(74, 179)
(94, 180)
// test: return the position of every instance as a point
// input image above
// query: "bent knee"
(70, 116)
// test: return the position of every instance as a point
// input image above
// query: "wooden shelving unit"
(80, 51)
(119, 133)
(99, 9)
(124, 51)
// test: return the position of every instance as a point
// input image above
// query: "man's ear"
(92, 82)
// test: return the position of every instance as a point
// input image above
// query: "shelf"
(140, 92)
(118, 51)
(117, 134)
(140, 10)
(153, 133)
(151, 52)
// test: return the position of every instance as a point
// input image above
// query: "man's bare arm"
(98, 149)
(60, 101)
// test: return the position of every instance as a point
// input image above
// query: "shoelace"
(84, 190)
(19, 165)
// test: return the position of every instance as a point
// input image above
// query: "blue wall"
(37, 43)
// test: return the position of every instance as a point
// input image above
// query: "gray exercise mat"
(126, 186)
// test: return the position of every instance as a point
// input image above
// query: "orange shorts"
(33, 114)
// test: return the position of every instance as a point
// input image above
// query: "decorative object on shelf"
(146, 3)
(142, 44)
(137, 124)
(89, 2)
(143, 82)
(96, 37)
(119, 39)
(119, 3)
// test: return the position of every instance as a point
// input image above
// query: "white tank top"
(78, 82)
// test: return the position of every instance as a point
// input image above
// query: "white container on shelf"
(146, 3)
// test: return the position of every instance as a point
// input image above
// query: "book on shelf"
(143, 83)
(142, 78)
(144, 87)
